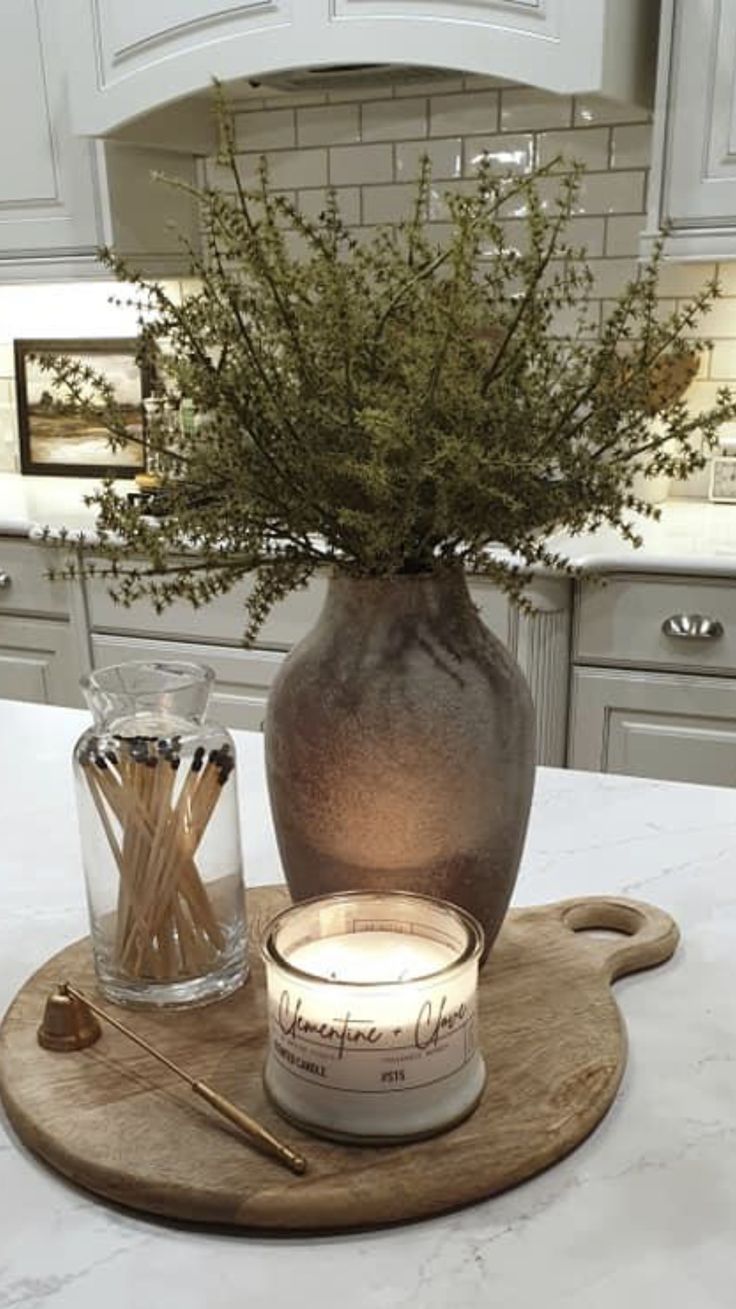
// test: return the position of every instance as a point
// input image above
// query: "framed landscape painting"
(54, 438)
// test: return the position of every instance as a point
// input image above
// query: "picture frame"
(58, 443)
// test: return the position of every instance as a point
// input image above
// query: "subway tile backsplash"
(631, 146)
(395, 120)
(589, 147)
(322, 126)
(445, 157)
(369, 143)
(473, 111)
(524, 108)
(362, 164)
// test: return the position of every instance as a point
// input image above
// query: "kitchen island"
(642, 1213)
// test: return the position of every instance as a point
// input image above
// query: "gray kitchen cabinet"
(654, 679)
(43, 648)
(38, 661)
(48, 185)
(693, 179)
(63, 195)
(679, 728)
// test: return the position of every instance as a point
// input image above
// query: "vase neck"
(370, 602)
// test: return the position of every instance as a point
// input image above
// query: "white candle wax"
(372, 957)
(373, 1029)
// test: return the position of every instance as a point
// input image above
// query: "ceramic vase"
(400, 748)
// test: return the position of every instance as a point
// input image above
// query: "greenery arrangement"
(392, 405)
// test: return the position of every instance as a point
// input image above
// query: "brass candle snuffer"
(70, 1023)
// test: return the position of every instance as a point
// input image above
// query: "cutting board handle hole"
(602, 933)
(603, 918)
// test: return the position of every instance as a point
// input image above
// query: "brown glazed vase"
(400, 748)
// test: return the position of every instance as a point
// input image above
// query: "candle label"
(384, 1044)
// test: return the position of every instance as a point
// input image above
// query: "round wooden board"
(113, 1120)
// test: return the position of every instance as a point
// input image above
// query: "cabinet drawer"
(621, 622)
(243, 677)
(24, 586)
(221, 621)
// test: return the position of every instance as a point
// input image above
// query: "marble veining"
(643, 1213)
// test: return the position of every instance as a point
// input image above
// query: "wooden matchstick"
(166, 927)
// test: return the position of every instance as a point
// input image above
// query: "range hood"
(335, 77)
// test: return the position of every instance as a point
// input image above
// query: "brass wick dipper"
(259, 1136)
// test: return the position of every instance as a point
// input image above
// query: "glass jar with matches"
(160, 837)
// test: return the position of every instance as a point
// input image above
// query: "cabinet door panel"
(26, 141)
(679, 729)
(528, 15)
(130, 27)
(134, 36)
(700, 151)
(38, 662)
(48, 199)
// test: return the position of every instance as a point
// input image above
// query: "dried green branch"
(392, 405)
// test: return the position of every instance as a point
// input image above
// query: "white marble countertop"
(28, 504)
(692, 536)
(643, 1213)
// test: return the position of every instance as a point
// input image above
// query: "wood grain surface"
(114, 1121)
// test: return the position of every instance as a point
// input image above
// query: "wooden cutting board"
(114, 1121)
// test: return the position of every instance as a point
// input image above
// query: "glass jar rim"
(473, 949)
(187, 673)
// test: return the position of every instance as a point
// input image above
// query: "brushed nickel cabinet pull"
(692, 627)
(4, 580)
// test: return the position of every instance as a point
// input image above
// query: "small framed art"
(54, 437)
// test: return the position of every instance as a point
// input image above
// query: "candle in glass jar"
(372, 1015)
